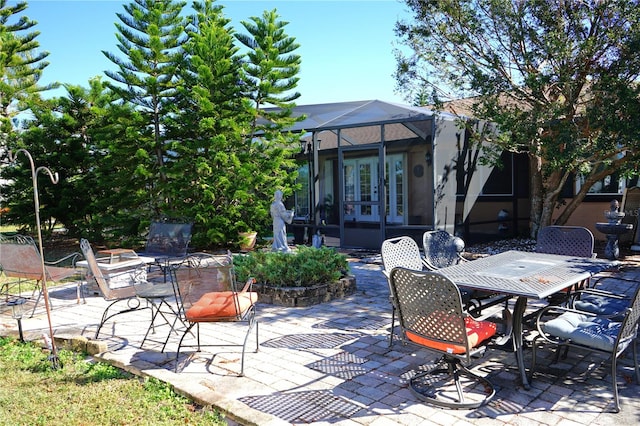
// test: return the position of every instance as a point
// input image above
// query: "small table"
(525, 275)
(113, 267)
(109, 266)
(116, 255)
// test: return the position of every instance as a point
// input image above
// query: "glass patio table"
(525, 275)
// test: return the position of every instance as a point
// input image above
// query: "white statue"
(280, 216)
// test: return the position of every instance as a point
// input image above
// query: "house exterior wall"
(420, 184)
(430, 188)
(445, 155)
(485, 225)
(484, 222)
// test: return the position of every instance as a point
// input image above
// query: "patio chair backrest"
(203, 274)
(109, 293)
(19, 258)
(441, 249)
(168, 239)
(430, 311)
(400, 251)
(630, 324)
(565, 240)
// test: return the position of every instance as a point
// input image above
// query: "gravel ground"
(495, 247)
(527, 244)
(474, 251)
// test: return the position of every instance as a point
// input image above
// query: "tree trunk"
(590, 180)
(536, 188)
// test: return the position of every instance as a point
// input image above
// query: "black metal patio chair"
(211, 296)
(432, 316)
(167, 243)
(441, 250)
(605, 334)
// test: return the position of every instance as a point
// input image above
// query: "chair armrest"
(595, 281)
(559, 310)
(73, 258)
(556, 311)
(428, 265)
(597, 292)
(248, 285)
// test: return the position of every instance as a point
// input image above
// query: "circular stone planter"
(305, 296)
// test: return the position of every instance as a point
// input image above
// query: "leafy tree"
(54, 138)
(69, 135)
(150, 36)
(118, 199)
(185, 137)
(21, 65)
(558, 78)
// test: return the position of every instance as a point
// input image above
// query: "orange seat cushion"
(219, 305)
(477, 332)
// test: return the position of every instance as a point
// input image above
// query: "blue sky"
(346, 46)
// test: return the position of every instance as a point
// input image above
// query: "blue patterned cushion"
(600, 304)
(586, 330)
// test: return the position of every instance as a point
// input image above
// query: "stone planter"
(305, 296)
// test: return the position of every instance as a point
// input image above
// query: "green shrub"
(304, 267)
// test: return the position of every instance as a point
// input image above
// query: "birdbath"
(613, 229)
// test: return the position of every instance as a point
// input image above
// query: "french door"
(361, 187)
(395, 178)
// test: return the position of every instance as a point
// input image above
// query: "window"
(496, 180)
(611, 184)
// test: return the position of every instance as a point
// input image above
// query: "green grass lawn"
(84, 392)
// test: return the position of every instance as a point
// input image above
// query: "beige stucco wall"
(587, 214)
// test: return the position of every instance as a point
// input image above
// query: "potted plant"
(247, 240)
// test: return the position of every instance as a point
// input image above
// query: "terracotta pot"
(247, 240)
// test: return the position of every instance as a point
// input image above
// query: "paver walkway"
(331, 364)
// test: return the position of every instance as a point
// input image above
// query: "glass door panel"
(394, 176)
(361, 185)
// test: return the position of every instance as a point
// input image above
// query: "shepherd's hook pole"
(36, 200)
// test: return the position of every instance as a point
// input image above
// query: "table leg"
(170, 316)
(518, 346)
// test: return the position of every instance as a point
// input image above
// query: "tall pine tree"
(210, 118)
(21, 65)
(150, 36)
(271, 70)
